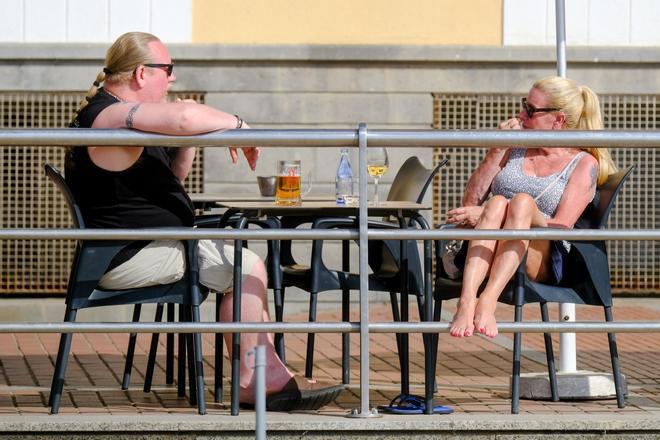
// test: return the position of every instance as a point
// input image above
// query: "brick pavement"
(473, 373)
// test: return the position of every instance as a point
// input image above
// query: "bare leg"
(477, 265)
(522, 214)
(254, 309)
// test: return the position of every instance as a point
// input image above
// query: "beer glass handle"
(309, 184)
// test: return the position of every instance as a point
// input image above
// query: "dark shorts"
(558, 254)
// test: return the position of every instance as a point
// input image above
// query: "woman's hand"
(465, 216)
(511, 124)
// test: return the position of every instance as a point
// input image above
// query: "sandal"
(411, 404)
(299, 395)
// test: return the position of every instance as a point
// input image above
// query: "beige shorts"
(163, 262)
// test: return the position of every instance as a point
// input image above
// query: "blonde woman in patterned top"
(534, 187)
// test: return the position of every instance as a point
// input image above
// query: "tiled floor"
(473, 373)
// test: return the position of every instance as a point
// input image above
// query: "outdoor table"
(310, 207)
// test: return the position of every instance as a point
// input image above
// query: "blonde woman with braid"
(533, 187)
(138, 187)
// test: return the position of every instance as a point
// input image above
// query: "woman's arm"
(579, 192)
(478, 185)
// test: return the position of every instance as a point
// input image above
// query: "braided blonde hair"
(128, 52)
(582, 109)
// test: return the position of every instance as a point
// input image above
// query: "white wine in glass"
(377, 165)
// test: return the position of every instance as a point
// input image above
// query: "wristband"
(239, 122)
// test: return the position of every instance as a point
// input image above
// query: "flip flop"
(411, 404)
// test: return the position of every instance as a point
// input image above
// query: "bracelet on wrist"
(239, 122)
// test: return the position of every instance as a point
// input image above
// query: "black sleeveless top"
(147, 194)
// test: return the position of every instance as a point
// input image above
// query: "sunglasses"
(169, 67)
(530, 109)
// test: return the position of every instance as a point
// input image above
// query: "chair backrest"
(412, 180)
(57, 178)
(597, 213)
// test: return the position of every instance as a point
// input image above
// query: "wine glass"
(377, 164)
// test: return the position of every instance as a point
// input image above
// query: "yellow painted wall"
(468, 22)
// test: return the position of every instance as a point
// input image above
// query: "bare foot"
(484, 318)
(463, 322)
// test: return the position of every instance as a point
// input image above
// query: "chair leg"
(169, 348)
(57, 384)
(181, 371)
(131, 350)
(345, 315)
(278, 293)
(190, 353)
(199, 364)
(219, 365)
(515, 374)
(309, 361)
(435, 342)
(396, 317)
(153, 349)
(616, 366)
(345, 338)
(550, 356)
(403, 354)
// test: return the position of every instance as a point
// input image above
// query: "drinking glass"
(287, 191)
(377, 165)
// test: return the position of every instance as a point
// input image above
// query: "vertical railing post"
(364, 410)
(567, 341)
(260, 391)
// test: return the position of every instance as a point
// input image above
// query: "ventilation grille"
(30, 200)
(634, 264)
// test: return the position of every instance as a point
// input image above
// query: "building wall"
(93, 20)
(281, 22)
(348, 22)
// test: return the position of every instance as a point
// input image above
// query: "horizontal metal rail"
(335, 138)
(313, 234)
(322, 327)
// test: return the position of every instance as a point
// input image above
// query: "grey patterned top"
(547, 191)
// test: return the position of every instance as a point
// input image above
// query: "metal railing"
(326, 138)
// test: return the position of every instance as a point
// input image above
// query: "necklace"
(112, 94)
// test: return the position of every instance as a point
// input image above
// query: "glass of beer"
(288, 192)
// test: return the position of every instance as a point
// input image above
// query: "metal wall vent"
(634, 264)
(29, 200)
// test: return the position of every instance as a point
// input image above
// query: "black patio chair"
(388, 259)
(586, 281)
(91, 260)
(204, 221)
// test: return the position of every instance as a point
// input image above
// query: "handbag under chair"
(388, 260)
(91, 260)
(586, 281)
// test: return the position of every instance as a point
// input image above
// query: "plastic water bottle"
(344, 179)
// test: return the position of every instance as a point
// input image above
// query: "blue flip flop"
(411, 404)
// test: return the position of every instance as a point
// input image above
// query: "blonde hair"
(582, 109)
(128, 52)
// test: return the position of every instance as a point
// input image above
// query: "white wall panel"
(577, 12)
(171, 20)
(645, 23)
(525, 22)
(588, 22)
(45, 20)
(87, 20)
(129, 15)
(11, 21)
(609, 22)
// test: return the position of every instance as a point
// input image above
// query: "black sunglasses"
(530, 109)
(169, 67)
